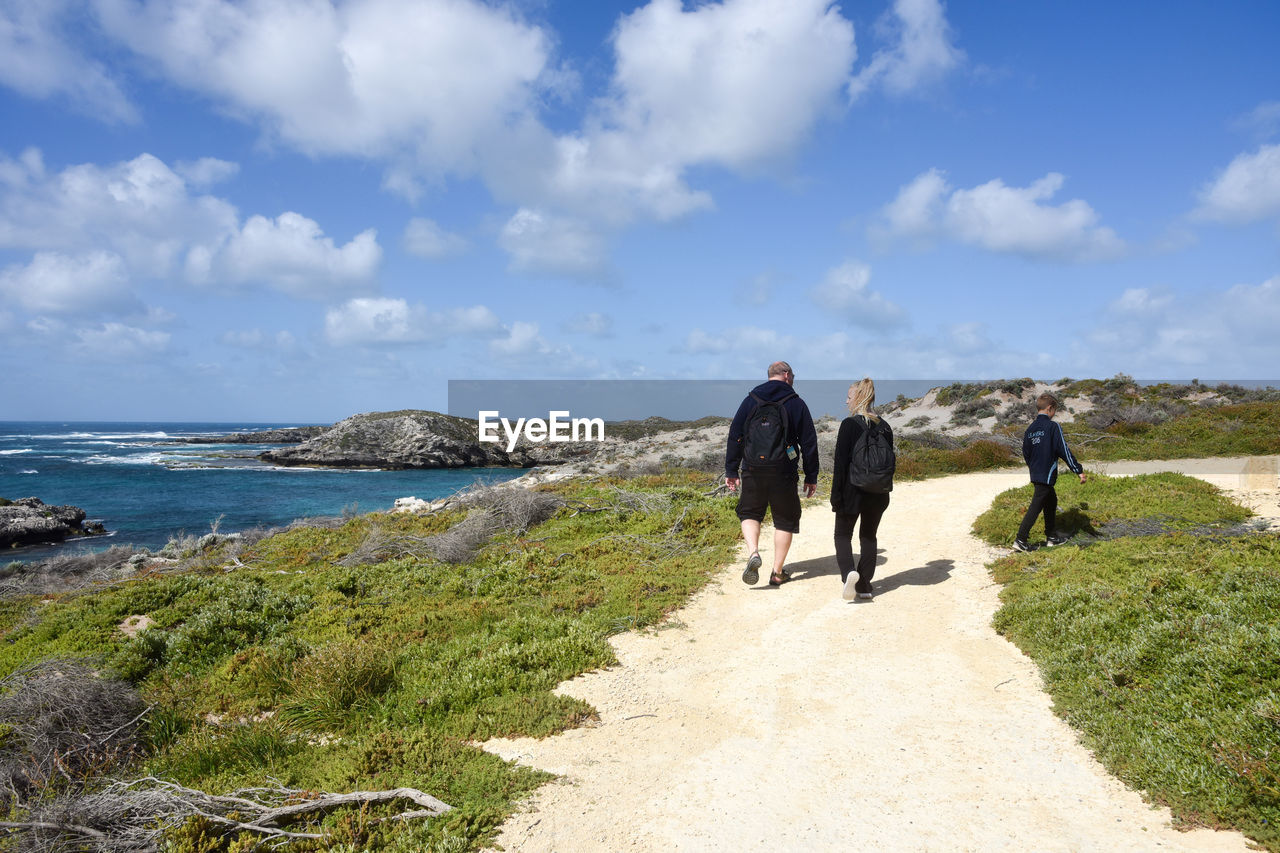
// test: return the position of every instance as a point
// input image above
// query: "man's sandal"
(779, 578)
(751, 574)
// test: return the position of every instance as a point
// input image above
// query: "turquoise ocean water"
(145, 487)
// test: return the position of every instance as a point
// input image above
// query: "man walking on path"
(1042, 446)
(770, 433)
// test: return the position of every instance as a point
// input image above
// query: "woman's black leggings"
(1044, 499)
(870, 513)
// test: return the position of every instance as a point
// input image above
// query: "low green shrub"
(1165, 653)
(1171, 501)
(337, 683)
(962, 392)
(325, 676)
(971, 411)
(918, 461)
(1248, 429)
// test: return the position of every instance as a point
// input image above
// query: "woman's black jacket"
(845, 498)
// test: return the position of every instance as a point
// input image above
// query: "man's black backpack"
(767, 434)
(872, 463)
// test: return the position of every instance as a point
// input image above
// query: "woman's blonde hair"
(862, 394)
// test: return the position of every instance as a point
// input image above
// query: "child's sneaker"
(1021, 545)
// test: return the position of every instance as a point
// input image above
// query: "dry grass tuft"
(69, 572)
(494, 509)
(63, 722)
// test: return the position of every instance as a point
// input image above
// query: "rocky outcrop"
(287, 435)
(30, 521)
(417, 439)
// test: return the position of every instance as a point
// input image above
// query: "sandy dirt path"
(789, 719)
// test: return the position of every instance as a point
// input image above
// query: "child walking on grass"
(1042, 446)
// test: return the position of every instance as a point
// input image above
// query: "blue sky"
(302, 209)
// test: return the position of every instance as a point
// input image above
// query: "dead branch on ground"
(133, 816)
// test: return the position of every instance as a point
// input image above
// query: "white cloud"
(524, 345)
(139, 209)
(918, 207)
(701, 342)
(521, 341)
(746, 344)
(737, 84)
(70, 284)
(593, 323)
(923, 52)
(1139, 301)
(387, 321)
(118, 342)
(1000, 218)
(1246, 191)
(292, 254)
(432, 88)
(144, 212)
(734, 83)
(968, 339)
(28, 167)
(426, 239)
(1264, 119)
(1254, 311)
(47, 326)
(38, 60)
(427, 81)
(206, 171)
(964, 349)
(846, 292)
(540, 242)
(1156, 332)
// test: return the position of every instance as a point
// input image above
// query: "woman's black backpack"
(873, 461)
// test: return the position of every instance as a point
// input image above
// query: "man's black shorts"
(776, 490)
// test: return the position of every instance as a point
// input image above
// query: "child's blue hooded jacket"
(1042, 446)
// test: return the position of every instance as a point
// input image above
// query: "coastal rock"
(412, 504)
(413, 438)
(285, 435)
(30, 521)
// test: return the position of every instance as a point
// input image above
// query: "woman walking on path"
(850, 502)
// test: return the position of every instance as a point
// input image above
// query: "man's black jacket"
(799, 426)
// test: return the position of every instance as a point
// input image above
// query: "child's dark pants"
(1046, 499)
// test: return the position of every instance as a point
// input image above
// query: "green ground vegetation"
(1163, 650)
(1247, 429)
(919, 458)
(286, 664)
(1152, 502)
